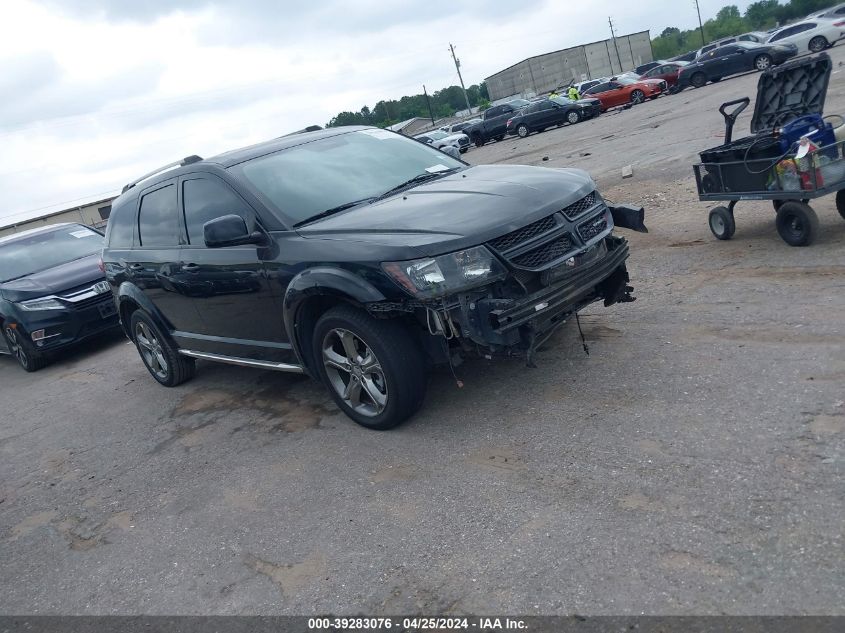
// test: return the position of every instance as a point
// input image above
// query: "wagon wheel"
(840, 202)
(797, 223)
(722, 223)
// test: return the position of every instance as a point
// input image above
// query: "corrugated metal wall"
(544, 72)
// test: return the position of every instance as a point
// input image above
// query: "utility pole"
(428, 102)
(613, 35)
(458, 68)
(700, 25)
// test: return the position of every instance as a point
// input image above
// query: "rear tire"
(722, 223)
(161, 357)
(698, 80)
(20, 349)
(818, 44)
(372, 368)
(797, 223)
(478, 140)
(762, 62)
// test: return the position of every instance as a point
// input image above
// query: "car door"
(601, 92)
(239, 307)
(729, 60)
(545, 115)
(617, 95)
(498, 126)
(153, 264)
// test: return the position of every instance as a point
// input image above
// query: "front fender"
(323, 281)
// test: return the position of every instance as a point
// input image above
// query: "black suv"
(358, 256)
(53, 292)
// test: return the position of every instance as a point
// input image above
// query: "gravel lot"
(692, 464)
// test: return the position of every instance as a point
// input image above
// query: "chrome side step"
(244, 362)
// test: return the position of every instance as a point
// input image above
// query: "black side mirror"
(229, 230)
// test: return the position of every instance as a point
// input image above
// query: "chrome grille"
(91, 301)
(515, 238)
(577, 208)
(592, 227)
(545, 253)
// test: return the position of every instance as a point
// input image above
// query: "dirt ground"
(692, 464)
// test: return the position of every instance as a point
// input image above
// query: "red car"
(667, 71)
(621, 91)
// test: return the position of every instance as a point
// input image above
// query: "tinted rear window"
(46, 250)
(157, 219)
(119, 228)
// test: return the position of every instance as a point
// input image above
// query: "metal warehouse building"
(94, 214)
(542, 73)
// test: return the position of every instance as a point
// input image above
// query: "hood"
(588, 101)
(54, 280)
(457, 211)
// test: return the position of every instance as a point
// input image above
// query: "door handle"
(190, 268)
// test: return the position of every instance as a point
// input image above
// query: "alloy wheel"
(16, 348)
(637, 96)
(151, 350)
(354, 372)
(762, 62)
(573, 117)
(522, 131)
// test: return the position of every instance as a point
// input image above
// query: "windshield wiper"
(419, 178)
(333, 210)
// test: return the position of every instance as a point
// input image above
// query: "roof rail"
(179, 163)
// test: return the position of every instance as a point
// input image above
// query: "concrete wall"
(542, 73)
(86, 214)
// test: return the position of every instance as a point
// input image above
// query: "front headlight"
(436, 276)
(45, 303)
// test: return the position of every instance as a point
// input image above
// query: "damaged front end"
(509, 295)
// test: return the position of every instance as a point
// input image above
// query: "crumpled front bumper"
(501, 323)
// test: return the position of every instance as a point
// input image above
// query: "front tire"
(372, 368)
(522, 130)
(573, 117)
(637, 96)
(478, 140)
(698, 80)
(161, 358)
(722, 223)
(762, 62)
(29, 359)
(818, 44)
(797, 223)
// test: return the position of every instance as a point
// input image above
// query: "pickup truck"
(494, 122)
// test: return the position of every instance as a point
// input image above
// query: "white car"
(439, 139)
(810, 35)
(837, 12)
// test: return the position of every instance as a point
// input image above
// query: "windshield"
(303, 181)
(41, 251)
(561, 100)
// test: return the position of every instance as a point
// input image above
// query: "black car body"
(334, 251)
(731, 59)
(494, 123)
(547, 113)
(53, 292)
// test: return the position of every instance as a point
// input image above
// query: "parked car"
(366, 257)
(714, 45)
(811, 35)
(439, 140)
(494, 123)
(758, 37)
(460, 127)
(644, 68)
(547, 113)
(732, 59)
(667, 71)
(583, 86)
(621, 91)
(53, 293)
(590, 106)
(686, 57)
(835, 12)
